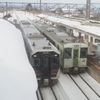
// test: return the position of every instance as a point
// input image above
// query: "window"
(75, 53)
(36, 62)
(97, 41)
(68, 53)
(55, 62)
(45, 62)
(83, 53)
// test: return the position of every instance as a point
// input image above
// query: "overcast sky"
(53, 1)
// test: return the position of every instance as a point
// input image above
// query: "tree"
(28, 7)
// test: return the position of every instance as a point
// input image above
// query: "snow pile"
(17, 77)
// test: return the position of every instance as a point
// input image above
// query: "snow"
(85, 28)
(1, 15)
(60, 94)
(94, 84)
(70, 88)
(47, 93)
(85, 88)
(17, 77)
(91, 29)
(13, 17)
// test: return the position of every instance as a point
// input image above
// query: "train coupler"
(75, 71)
(46, 81)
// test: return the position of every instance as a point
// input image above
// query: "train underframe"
(47, 82)
(47, 78)
(74, 70)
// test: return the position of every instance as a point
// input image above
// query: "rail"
(93, 74)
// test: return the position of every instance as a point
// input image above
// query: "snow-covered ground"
(17, 77)
(83, 91)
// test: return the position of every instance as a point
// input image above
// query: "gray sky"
(53, 1)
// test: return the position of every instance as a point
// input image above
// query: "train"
(17, 77)
(43, 56)
(73, 55)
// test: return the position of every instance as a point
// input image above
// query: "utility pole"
(88, 4)
(40, 6)
(6, 8)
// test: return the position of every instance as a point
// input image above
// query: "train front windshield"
(35, 61)
(48, 59)
(83, 53)
(54, 60)
(68, 53)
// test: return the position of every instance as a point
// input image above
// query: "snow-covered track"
(55, 92)
(70, 88)
(78, 86)
(94, 85)
(87, 88)
(59, 92)
(46, 93)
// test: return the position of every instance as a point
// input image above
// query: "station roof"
(92, 31)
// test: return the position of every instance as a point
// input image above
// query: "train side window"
(83, 53)
(68, 53)
(97, 41)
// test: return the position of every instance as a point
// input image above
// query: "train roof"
(29, 28)
(59, 35)
(17, 77)
(36, 40)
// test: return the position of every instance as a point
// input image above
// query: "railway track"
(93, 74)
(46, 93)
(52, 93)
(94, 69)
(71, 87)
(84, 87)
(90, 91)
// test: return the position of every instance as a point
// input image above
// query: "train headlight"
(55, 55)
(35, 55)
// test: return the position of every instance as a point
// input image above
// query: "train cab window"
(75, 53)
(97, 41)
(45, 62)
(68, 53)
(55, 62)
(83, 53)
(36, 62)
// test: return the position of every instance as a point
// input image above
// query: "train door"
(75, 57)
(45, 67)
